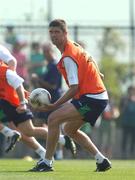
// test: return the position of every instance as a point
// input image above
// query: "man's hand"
(27, 94)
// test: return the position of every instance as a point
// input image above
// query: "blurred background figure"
(128, 124)
(107, 129)
(10, 35)
(22, 60)
(36, 59)
(51, 80)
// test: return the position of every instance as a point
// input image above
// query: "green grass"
(12, 169)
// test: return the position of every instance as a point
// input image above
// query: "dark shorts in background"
(89, 108)
(42, 116)
(12, 115)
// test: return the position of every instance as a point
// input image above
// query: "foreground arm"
(22, 107)
(72, 75)
(12, 64)
(16, 82)
(8, 58)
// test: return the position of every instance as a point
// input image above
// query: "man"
(14, 104)
(13, 135)
(88, 94)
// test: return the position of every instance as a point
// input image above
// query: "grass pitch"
(12, 169)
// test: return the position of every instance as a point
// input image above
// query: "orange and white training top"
(89, 79)
(9, 81)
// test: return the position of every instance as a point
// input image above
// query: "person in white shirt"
(13, 135)
(21, 116)
(16, 82)
(7, 57)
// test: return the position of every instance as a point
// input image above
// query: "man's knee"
(53, 120)
(26, 131)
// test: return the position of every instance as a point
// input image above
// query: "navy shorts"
(89, 108)
(12, 115)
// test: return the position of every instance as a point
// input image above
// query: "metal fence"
(89, 35)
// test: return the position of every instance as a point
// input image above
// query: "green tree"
(110, 45)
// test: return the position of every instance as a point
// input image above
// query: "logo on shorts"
(84, 109)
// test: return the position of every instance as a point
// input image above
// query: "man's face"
(57, 35)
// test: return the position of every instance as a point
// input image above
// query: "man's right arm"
(12, 64)
(7, 58)
(16, 82)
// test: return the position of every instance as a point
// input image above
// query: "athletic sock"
(99, 157)
(61, 139)
(48, 162)
(41, 152)
(59, 154)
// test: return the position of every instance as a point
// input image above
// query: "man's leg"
(12, 135)
(28, 129)
(68, 113)
(30, 142)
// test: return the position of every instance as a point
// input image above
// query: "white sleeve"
(5, 55)
(71, 70)
(13, 79)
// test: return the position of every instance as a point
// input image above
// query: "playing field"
(66, 170)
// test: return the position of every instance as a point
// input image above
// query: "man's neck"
(62, 46)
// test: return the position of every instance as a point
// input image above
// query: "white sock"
(99, 157)
(61, 139)
(41, 152)
(48, 162)
(7, 132)
(59, 154)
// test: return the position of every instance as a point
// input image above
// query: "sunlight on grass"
(16, 169)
